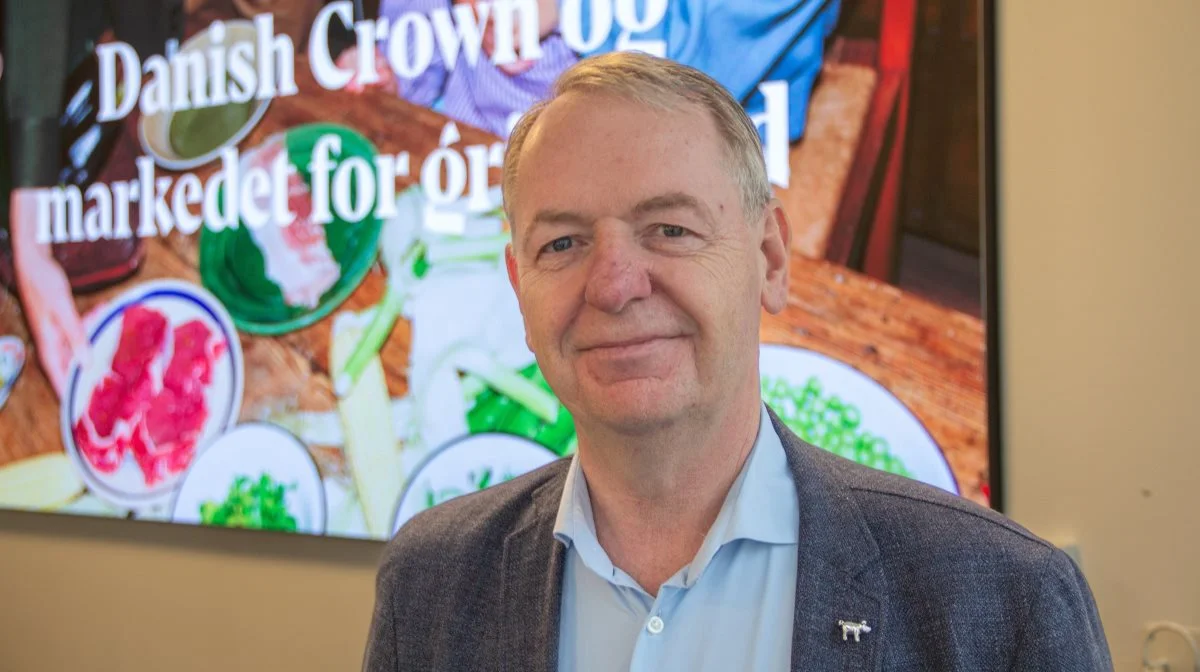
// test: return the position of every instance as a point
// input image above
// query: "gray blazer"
(944, 584)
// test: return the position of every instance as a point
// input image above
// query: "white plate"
(179, 302)
(251, 450)
(882, 413)
(458, 466)
(154, 129)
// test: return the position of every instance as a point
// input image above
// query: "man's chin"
(637, 411)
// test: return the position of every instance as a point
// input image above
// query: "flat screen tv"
(252, 250)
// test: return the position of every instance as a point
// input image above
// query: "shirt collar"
(761, 506)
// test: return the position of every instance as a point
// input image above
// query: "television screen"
(253, 250)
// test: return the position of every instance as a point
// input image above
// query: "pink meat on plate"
(143, 336)
(103, 432)
(192, 357)
(296, 256)
(151, 404)
(164, 443)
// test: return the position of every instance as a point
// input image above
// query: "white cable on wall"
(1163, 665)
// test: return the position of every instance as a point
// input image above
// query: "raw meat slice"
(102, 432)
(296, 256)
(164, 442)
(104, 454)
(96, 432)
(143, 336)
(194, 353)
(107, 407)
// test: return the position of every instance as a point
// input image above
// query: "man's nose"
(618, 272)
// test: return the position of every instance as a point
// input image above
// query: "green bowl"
(232, 267)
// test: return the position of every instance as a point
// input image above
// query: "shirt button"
(655, 625)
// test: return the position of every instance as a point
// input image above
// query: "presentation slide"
(253, 253)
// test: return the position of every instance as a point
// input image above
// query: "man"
(692, 530)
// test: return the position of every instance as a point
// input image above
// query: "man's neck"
(655, 499)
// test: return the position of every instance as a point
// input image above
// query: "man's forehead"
(576, 114)
(584, 145)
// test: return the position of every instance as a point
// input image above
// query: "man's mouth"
(625, 343)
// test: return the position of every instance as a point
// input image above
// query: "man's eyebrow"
(557, 217)
(672, 201)
(668, 201)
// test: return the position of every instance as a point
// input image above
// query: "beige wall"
(103, 595)
(1101, 152)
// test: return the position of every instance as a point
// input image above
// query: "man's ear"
(776, 246)
(510, 262)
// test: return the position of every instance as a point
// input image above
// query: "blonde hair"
(662, 84)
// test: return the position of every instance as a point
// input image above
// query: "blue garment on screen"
(741, 44)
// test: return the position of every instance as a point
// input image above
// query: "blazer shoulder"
(907, 517)
(902, 512)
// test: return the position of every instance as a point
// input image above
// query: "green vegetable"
(538, 399)
(495, 411)
(371, 341)
(828, 422)
(485, 416)
(198, 131)
(472, 388)
(386, 314)
(256, 505)
(420, 266)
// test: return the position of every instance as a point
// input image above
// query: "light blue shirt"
(731, 608)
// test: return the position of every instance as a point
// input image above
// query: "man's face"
(638, 275)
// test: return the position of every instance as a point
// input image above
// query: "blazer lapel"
(531, 586)
(837, 576)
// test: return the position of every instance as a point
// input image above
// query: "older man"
(692, 530)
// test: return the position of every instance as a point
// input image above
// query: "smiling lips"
(626, 345)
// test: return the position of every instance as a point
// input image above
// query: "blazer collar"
(838, 577)
(531, 587)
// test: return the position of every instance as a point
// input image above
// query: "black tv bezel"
(988, 212)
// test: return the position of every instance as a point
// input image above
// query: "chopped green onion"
(508, 382)
(472, 387)
(371, 341)
(459, 249)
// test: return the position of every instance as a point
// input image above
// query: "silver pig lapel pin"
(851, 628)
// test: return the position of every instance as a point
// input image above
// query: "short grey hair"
(665, 85)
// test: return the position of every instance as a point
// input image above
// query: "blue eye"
(560, 244)
(673, 230)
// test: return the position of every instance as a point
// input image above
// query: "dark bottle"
(86, 146)
(86, 142)
(106, 151)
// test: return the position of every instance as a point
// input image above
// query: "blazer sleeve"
(381, 654)
(1063, 631)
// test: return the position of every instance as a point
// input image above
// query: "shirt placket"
(651, 651)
